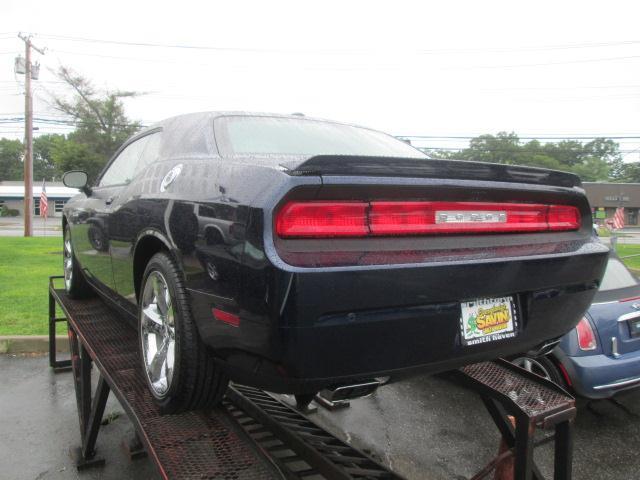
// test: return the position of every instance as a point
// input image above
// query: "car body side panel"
(89, 224)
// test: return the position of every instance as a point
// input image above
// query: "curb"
(12, 344)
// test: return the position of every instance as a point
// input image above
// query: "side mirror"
(77, 179)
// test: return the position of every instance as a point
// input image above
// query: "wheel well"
(146, 248)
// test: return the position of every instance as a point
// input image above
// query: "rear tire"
(542, 366)
(75, 283)
(180, 373)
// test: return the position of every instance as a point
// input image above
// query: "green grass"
(25, 267)
(27, 263)
(625, 250)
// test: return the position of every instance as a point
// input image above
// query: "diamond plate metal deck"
(252, 435)
(190, 445)
(531, 395)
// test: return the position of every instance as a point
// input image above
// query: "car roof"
(191, 133)
(206, 116)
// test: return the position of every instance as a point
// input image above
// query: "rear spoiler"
(350, 165)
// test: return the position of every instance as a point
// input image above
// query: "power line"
(464, 67)
(64, 122)
(558, 137)
(335, 51)
(515, 150)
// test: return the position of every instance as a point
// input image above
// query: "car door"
(126, 222)
(92, 237)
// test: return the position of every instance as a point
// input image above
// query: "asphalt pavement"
(14, 227)
(423, 428)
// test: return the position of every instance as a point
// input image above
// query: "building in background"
(606, 197)
(603, 197)
(12, 196)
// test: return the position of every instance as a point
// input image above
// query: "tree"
(43, 163)
(11, 165)
(71, 155)
(629, 172)
(596, 160)
(99, 117)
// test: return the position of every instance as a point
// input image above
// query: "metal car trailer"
(254, 434)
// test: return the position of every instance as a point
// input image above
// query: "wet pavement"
(424, 428)
(14, 227)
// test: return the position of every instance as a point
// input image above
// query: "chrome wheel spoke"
(157, 332)
(67, 263)
(162, 297)
(152, 321)
(158, 362)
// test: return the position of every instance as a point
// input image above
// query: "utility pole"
(28, 136)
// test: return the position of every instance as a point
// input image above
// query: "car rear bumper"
(300, 331)
(601, 376)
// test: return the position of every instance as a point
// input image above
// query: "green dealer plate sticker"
(488, 320)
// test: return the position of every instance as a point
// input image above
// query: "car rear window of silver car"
(292, 136)
(617, 276)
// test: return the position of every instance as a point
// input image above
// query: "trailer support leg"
(57, 365)
(564, 451)
(133, 447)
(93, 425)
(90, 411)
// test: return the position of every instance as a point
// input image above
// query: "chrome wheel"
(157, 333)
(534, 366)
(67, 263)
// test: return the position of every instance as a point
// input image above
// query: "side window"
(123, 168)
(151, 152)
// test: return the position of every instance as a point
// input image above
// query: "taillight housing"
(586, 336)
(321, 219)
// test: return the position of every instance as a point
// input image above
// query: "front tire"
(75, 283)
(180, 373)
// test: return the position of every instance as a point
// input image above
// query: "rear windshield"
(290, 136)
(617, 276)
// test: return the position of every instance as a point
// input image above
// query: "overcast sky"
(408, 68)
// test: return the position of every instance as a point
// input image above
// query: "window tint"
(151, 152)
(124, 167)
(616, 276)
(273, 135)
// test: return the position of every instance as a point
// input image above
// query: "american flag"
(44, 204)
(618, 218)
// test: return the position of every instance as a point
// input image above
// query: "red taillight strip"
(323, 219)
(386, 218)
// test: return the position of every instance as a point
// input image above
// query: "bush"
(8, 212)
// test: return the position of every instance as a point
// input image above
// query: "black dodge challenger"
(293, 254)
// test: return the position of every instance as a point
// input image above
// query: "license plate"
(488, 320)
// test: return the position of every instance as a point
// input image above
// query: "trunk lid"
(349, 165)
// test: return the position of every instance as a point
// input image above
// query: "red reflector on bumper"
(360, 219)
(226, 317)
